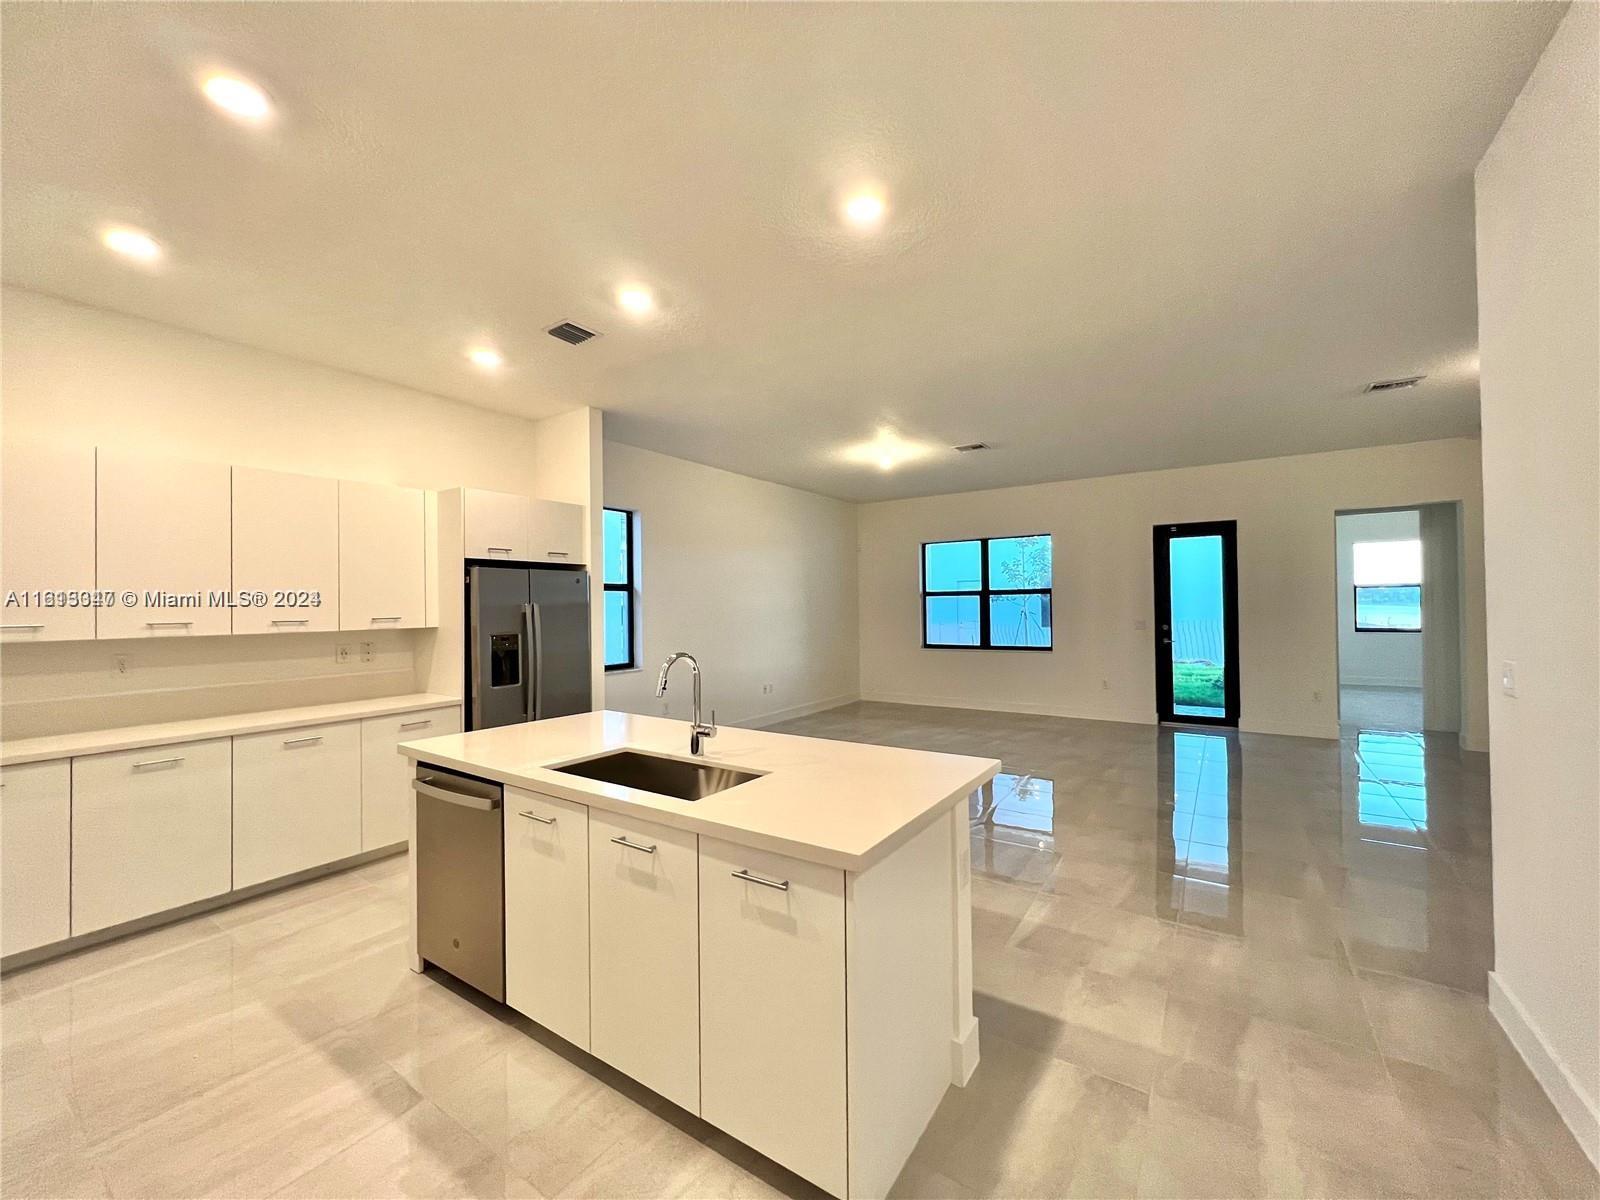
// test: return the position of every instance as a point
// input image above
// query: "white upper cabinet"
(46, 539)
(496, 524)
(286, 545)
(555, 532)
(381, 560)
(162, 531)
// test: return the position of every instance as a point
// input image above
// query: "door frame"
(1160, 553)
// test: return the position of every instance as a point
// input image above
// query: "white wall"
(75, 375)
(1539, 339)
(1373, 659)
(756, 580)
(1103, 664)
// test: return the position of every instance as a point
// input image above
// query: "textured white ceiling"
(1121, 236)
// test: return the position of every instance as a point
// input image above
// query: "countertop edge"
(166, 733)
(564, 787)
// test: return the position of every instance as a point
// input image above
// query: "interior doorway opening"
(1399, 607)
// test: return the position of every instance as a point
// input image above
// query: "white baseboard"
(1005, 706)
(964, 1055)
(1378, 681)
(1577, 1107)
(762, 720)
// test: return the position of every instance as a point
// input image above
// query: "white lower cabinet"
(547, 912)
(772, 942)
(296, 800)
(35, 854)
(386, 775)
(151, 830)
(644, 977)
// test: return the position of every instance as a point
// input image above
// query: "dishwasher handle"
(433, 791)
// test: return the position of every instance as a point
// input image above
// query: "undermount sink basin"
(659, 774)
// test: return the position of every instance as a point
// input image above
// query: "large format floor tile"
(1206, 964)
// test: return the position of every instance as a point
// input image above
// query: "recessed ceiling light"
(237, 97)
(131, 243)
(486, 357)
(865, 210)
(635, 299)
(887, 450)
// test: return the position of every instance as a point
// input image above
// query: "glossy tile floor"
(1206, 965)
(1381, 707)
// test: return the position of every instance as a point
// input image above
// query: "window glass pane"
(619, 629)
(1389, 608)
(952, 567)
(615, 556)
(1388, 562)
(1199, 654)
(952, 620)
(1019, 562)
(1020, 620)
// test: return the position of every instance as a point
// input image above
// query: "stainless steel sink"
(655, 773)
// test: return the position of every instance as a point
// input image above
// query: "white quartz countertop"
(134, 737)
(842, 804)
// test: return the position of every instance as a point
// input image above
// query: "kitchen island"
(788, 958)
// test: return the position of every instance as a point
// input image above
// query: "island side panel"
(900, 954)
(964, 1022)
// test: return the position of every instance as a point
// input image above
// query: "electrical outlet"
(766, 689)
(341, 654)
(1316, 696)
(119, 663)
(366, 652)
(1105, 685)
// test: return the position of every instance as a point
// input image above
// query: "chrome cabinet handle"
(168, 624)
(533, 816)
(498, 549)
(777, 885)
(375, 620)
(558, 553)
(305, 741)
(156, 762)
(623, 841)
(21, 626)
(296, 621)
(416, 724)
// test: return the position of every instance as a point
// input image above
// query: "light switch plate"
(1508, 678)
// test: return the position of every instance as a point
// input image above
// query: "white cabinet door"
(151, 830)
(547, 912)
(386, 776)
(35, 854)
(772, 1007)
(496, 524)
(286, 544)
(163, 529)
(381, 570)
(296, 800)
(46, 539)
(555, 532)
(644, 949)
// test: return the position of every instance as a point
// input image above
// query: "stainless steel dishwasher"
(461, 877)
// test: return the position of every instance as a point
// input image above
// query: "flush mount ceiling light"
(486, 358)
(635, 299)
(131, 244)
(886, 451)
(865, 209)
(239, 98)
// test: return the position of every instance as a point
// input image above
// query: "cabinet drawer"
(386, 776)
(555, 532)
(547, 912)
(644, 954)
(296, 800)
(47, 538)
(151, 830)
(35, 854)
(772, 1007)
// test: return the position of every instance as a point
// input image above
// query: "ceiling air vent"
(1394, 385)
(971, 446)
(573, 335)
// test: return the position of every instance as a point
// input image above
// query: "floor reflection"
(1199, 862)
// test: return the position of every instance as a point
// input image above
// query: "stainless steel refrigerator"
(527, 644)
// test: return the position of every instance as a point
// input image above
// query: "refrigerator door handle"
(474, 639)
(537, 626)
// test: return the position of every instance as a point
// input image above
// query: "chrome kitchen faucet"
(699, 731)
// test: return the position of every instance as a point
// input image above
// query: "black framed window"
(621, 589)
(987, 593)
(1388, 586)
